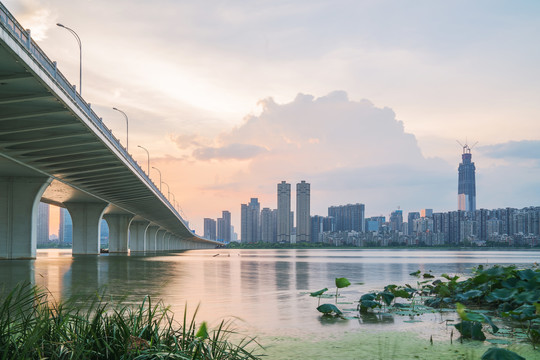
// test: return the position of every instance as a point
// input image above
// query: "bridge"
(54, 148)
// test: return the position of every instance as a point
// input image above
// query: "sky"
(364, 99)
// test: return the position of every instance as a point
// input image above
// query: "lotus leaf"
(402, 293)
(527, 274)
(501, 295)
(365, 305)
(522, 313)
(500, 354)
(370, 296)
(342, 282)
(329, 308)
(471, 294)
(471, 330)
(387, 297)
(318, 293)
(510, 283)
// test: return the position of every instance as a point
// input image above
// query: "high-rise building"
(224, 227)
(250, 223)
(426, 213)
(303, 228)
(284, 224)
(466, 182)
(410, 221)
(348, 217)
(210, 228)
(243, 223)
(43, 223)
(396, 220)
(267, 226)
(65, 227)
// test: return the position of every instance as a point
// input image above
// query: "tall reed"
(31, 327)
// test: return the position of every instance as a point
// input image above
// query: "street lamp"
(80, 54)
(127, 128)
(159, 176)
(148, 155)
(168, 190)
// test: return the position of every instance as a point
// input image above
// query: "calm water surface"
(266, 289)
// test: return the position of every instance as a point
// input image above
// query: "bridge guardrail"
(9, 22)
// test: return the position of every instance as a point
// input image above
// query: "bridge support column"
(160, 239)
(167, 242)
(137, 235)
(86, 218)
(118, 232)
(150, 239)
(19, 200)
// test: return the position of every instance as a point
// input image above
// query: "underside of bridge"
(54, 148)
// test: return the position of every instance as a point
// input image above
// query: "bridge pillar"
(118, 232)
(167, 242)
(19, 200)
(86, 218)
(160, 239)
(150, 240)
(137, 235)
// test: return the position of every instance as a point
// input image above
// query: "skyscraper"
(348, 217)
(396, 220)
(410, 221)
(224, 227)
(65, 228)
(267, 229)
(303, 228)
(284, 224)
(466, 182)
(210, 228)
(250, 223)
(43, 223)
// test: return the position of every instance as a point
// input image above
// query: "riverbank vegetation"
(32, 326)
(502, 302)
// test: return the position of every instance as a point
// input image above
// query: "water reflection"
(376, 318)
(266, 288)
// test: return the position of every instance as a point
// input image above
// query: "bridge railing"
(9, 22)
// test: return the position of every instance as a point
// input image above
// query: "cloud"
(231, 151)
(525, 149)
(350, 151)
(185, 141)
(34, 15)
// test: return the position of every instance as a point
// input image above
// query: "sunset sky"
(363, 99)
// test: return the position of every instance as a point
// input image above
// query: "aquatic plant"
(340, 284)
(318, 294)
(501, 354)
(31, 327)
(328, 309)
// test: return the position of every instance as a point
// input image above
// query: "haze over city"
(364, 100)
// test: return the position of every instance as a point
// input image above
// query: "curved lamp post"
(127, 127)
(148, 155)
(153, 167)
(168, 190)
(80, 53)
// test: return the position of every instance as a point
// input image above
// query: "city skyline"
(234, 96)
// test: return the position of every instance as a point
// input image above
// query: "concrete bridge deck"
(55, 148)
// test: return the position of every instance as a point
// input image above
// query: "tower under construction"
(466, 181)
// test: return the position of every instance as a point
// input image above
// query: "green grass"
(32, 327)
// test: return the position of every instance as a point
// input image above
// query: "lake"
(265, 291)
